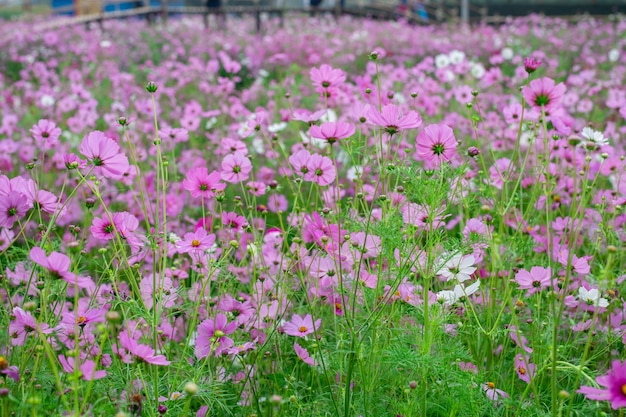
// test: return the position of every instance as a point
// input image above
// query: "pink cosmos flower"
(12, 372)
(46, 134)
(520, 340)
(23, 325)
(164, 293)
(13, 206)
(320, 170)
(390, 119)
(236, 168)
(543, 93)
(277, 203)
(196, 242)
(256, 188)
(105, 154)
(201, 184)
(303, 354)
(58, 265)
(493, 393)
(300, 162)
(212, 334)
(301, 326)
(421, 216)
(306, 116)
(615, 386)
(233, 221)
(326, 77)
(498, 172)
(525, 370)
(142, 352)
(332, 131)
(536, 280)
(72, 161)
(435, 144)
(87, 368)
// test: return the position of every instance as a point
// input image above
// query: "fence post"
(465, 11)
(164, 11)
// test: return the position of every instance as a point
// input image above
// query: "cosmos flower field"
(332, 218)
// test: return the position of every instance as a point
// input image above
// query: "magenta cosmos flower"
(615, 387)
(201, 184)
(392, 122)
(332, 131)
(142, 352)
(236, 168)
(301, 326)
(212, 334)
(435, 144)
(543, 93)
(105, 154)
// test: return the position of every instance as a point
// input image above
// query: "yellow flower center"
(195, 243)
(302, 329)
(521, 370)
(81, 320)
(491, 385)
(624, 389)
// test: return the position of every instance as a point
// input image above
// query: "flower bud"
(151, 87)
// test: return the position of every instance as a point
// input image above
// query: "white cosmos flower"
(593, 137)
(354, 172)
(592, 297)
(277, 127)
(459, 267)
(614, 55)
(329, 116)
(47, 100)
(477, 70)
(450, 297)
(442, 61)
(456, 57)
(507, 53)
